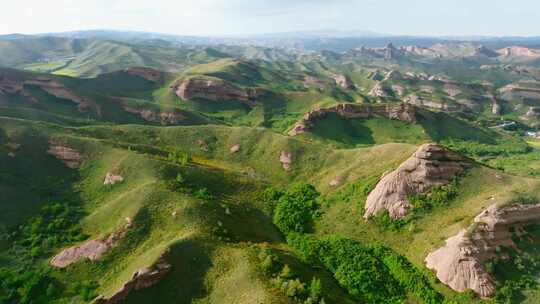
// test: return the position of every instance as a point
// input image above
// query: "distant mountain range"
(325, 40)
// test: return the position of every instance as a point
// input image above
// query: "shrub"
(296, 209)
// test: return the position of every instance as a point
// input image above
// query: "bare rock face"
(343, 82)
(517, 52)
(379, 91)
(533, 112)
(146, 73)
(452, 89)
(496, 108)
(203, 145)
(285, 158)
(172, 118)
(92, 250)
(141, 279)
(402, 112)
(13, 85)
(423, 102)
(235, 148)
(337, 181)
(111, 179)
(214, 90)
(431, 165)
(165, 118)
(398, 90)
(69, 156)
(459, 264)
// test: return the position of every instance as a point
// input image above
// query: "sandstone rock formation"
(379, 91)
(142, 278)
(431, 165)
(146, 73)
(423, 102)
(338, 180)
(460, 263)
(92, 249)
(343, 82)
(165, 118)
(519, 53)
(402, 112)
(15, 85)
(235, 148)
(214, 90)
(111, 179)
(203, 145)
(533, 112)
(285, 158)
(69, 156)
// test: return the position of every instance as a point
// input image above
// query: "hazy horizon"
(242, 17)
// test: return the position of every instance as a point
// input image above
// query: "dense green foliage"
(296, 208)
(57, 224)
(373, 274)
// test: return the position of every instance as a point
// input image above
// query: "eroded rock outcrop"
(431, 165)
(92, 249)
(460, 262)
(380, 91)
(165, 118)
(214, 90)
(146, 73)
(343, 82)
(111, 179)
(142, 278)
(234, 148)
(17, 85)
(68, 155)
(285, 158)
(402, 112)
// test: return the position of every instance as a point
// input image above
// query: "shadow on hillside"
(186, 281)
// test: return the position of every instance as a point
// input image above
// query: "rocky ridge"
(214, 90)
(402, 112)
(92, 249)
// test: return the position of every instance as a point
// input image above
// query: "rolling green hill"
(152, 173)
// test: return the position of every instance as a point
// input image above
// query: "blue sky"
(234, 17)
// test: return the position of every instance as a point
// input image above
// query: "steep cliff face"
(431, 165)
(142, 278)
(214, 90)
(460, 262)
(402, 112)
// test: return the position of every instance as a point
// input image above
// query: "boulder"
(235, 148)
(111, 179)
(431, 165)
